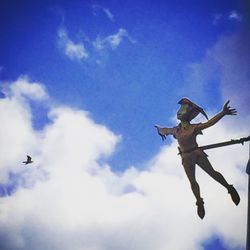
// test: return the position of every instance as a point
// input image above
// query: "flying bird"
(29, 160)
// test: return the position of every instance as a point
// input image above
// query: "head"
(183, 113)
(188, 110)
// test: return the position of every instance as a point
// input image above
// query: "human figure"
(186, 133)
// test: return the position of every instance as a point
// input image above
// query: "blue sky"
(137, 84)
(127, 64)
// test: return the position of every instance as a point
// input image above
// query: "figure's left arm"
(227, 110)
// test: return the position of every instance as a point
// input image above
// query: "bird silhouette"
(29, 160)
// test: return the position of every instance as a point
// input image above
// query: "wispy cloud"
(78, 52)
(231, 16)
(106, 11)
(109, 14)
(226, 64)
(75, 51)
(216, 18)
(231, 54)
(112, 41)
(234, 15)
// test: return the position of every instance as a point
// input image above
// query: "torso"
(186, 137)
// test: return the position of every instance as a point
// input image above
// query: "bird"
(29, 160)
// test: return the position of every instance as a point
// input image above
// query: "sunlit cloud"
(69, 198)
(22, 87)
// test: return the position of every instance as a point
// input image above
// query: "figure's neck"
(185, 124)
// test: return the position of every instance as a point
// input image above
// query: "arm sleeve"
(167, 131)
(211, 122)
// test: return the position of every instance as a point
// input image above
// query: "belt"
(187, 151)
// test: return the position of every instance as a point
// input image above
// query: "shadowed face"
(184, 112)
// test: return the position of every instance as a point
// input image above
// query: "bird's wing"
(28, 158)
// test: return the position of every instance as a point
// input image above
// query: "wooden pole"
(226, 143)
(248, 209)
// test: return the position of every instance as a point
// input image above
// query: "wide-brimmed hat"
(195, 108)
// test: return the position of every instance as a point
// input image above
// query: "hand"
(227, 110)
(160, 132)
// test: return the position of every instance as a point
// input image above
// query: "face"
(183, 112)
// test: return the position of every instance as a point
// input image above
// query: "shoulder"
(197, 128)
(175, 130)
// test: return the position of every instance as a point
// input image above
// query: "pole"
(248, 207)
(226, 143)
(217, 145)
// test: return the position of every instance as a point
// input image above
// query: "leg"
(190, 172)
(204, 163)
(189, 167)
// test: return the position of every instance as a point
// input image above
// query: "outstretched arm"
(227, 110)
(163, 132)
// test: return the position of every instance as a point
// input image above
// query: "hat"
(195, 108)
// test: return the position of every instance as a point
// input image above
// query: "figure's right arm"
(163, 132)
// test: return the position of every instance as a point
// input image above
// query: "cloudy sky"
(81, 85)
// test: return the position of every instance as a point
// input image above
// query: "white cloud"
(112, 41)
(75, 51)
(16, 133)
(22, 87)
(82, 204)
